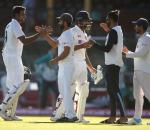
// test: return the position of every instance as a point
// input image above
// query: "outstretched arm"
(112, 40)
(28, 40)
(51, 41)
(84, 45)
(139, 53)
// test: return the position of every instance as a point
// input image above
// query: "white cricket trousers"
(80, 75)
(141, 83)
(82, 88)
(65, 81)
(14, 70)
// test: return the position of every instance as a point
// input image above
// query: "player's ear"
(65, 24)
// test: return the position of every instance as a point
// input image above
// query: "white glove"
(98, 76)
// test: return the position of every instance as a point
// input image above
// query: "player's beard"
(88, 29)
(138, 32)
(61, 27)
(82, 27)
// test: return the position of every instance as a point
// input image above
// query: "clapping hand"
(44, 30)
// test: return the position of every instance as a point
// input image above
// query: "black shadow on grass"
(97, 124)
(38, 122)
(107, 124)
(123, 125)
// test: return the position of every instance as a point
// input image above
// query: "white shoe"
(15, 118)
(83, 121)
(53, 118)
(5, 116)
(135, 122)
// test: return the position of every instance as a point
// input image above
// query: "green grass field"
(43, 123)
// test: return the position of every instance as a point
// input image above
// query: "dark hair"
(69, 24)
(16, 10)
(145, 27)
(114, 15)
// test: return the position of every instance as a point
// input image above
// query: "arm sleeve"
(68, 40)
(17, 30)
(139, 53)
(112, 40)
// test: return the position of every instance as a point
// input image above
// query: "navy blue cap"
(66, 17)
(83, 15)
(141, 22)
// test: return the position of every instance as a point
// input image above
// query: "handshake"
(89, 43)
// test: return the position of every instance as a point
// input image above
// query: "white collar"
(79, 29)
(15, 21)
(144, 34)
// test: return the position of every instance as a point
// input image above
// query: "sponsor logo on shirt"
(79, 36)
(79, 41)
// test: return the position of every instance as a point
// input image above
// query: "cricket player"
(65, 60)
(12, 52)
(141, 80)
(83, 23)
(113, 60)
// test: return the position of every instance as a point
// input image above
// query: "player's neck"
(83, 29)
(66, 28)
(17, 20)
(113, 25)
(142, 32)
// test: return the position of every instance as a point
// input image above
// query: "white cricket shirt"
(80, 37)
(12, 45)
(142, 54)
(66, 39)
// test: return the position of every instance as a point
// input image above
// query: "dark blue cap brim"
(135, 22)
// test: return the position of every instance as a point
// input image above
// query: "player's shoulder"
(8, 25)
(67, 33)
(145, 39)
(75, 30)
(15, 23)
(147, 35)
(113, 31)
(116, 29)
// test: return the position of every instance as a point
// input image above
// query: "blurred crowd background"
(43, 91)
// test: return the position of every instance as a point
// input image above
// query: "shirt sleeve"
(68, 40)
(140, 52)
(17, 30)
(112, 40)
